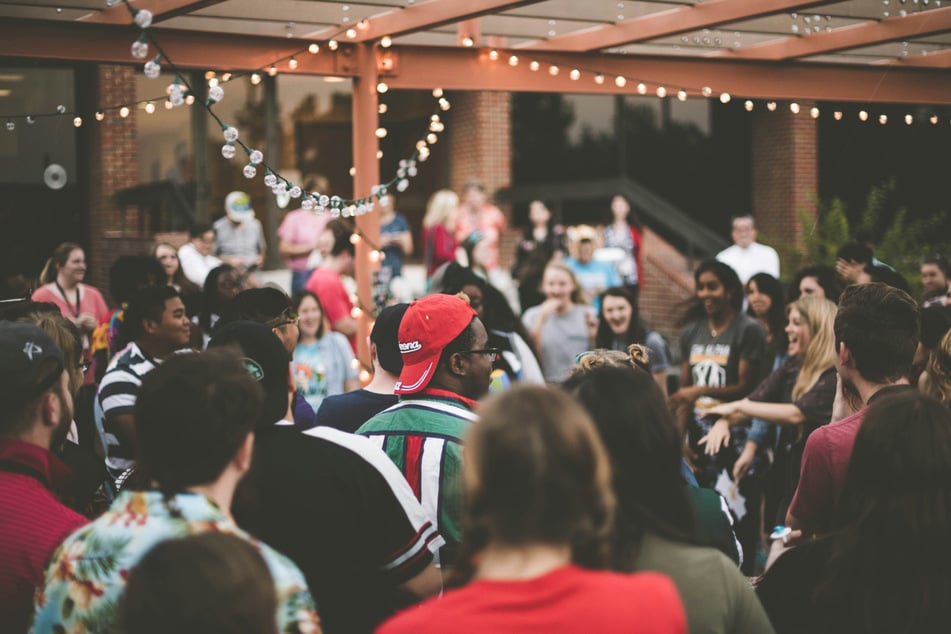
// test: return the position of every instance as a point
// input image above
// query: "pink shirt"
(301, 228)
(490, 222)
(328, 287)
(90, 301)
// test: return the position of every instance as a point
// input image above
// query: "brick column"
(113, 166)
(480, 140)
(785, 174)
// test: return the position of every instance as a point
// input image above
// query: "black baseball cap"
(30, 363)
(385, 335)
(266, 359)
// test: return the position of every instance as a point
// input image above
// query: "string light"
(513, 60)
(468, 42)
(292, 63)
(272, 71)
(385, 42)
(794, 108)
(255, 79)
(771, 106)
(682, 95)
(313, 49)
(837, 115)
(599, 79)
(351, 33)
(814, 112)
(863, 116)
(333, 45)
(620, 81)
(748, 105)
(534, 65)
(124, 112)
(150, 107)
(552, 70)
(883, 119)
(909, 119)
(661, 92)
(382, 87)
(77, 121)
(493, 54)
(642, 88)
(725, 97)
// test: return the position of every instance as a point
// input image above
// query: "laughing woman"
(797, 396)
(562, 326)
(723, 352)
(619, 325)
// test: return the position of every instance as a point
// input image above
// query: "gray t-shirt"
(245, 240)
(563, 338)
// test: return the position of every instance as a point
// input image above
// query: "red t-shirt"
(328, 287)
(825, 460)
(568, 599)
(32, 522)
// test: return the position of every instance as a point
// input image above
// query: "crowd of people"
(203, 457)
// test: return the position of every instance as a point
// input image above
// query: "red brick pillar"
(480, 140)
(785, 174)
(113, 164)
(480, 148)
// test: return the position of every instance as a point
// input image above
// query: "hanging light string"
(643, 86)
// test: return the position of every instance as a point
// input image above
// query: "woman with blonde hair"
(798, 396)
(439, 225)
(563, 326)
(936, 379)
(537, 526)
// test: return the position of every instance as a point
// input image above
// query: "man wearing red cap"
(446, 366)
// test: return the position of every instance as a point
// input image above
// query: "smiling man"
(446, 367)
(155, 327)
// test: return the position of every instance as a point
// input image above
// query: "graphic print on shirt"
(708, 363)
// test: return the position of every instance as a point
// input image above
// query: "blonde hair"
(937, 381)
(819, 356)
(67, 338)
(636, 356)
(441, 209)
(577, 295)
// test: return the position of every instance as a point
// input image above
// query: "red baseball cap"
(428, 326)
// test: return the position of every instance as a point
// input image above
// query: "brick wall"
(480, 141)
(113, 166)
(667, 287)
(785, 173)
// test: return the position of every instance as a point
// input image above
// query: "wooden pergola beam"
(420, 67)
(425, 16)
(941, 59)
(847, 37)
(187, 49)
(455, 68)
(666, 23)
(161, 10)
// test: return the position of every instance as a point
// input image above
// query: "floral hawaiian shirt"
(87, 574)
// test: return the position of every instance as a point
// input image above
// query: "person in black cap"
(348, 411)
(273, 308)
(331, 501)
(36, 408)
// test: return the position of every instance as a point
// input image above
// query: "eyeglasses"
(493, 353)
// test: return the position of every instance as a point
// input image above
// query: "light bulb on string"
(382, 108)
(468, 42)
(382, 87)
(513, 60)
(225, 77)
(661, 92)
(124, 112)
(863, 115)
(883, 119)
(150, 107)
(333, 45)
(153, 68)
(837, 115)
(351, 33)
(933, 119)
(437, 92)
(682, 95)
(553, 70)
(213, 82)
(249, 171)
(143, 18)
(386, 41)
(255, 157)
(771, 106)
(599, 79)
(215, 95)
(140, 48)
(168, 104)
(228, 150)
(909, 119)
(292, 63)
(706, 91)
(230, 133)
(100, 115)
(493, 54)
(814, 112)
(77, 121)
(379, 154)
(313, 49)
(575, 74)
(794, 108)
(190, 99)
(381, 133)
(724, 97)
(620, 81)
(270, 180)
(748, 104)
(272, 71)
(255, 79)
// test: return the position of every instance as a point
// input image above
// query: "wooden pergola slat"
(853, 36)
(425, 16)
(161, 10)
(670, 22)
